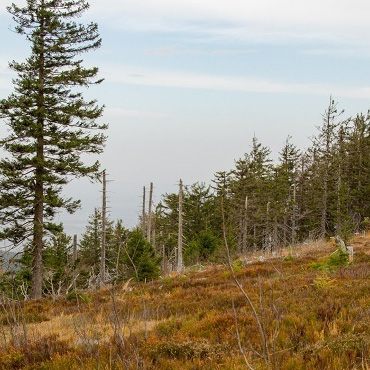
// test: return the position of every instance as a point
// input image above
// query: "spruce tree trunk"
(38, 230)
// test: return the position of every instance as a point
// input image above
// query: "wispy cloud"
(353, 52)
(264, 20)
(118, 113)
(270, 21)
(169, 50)
(178, 79)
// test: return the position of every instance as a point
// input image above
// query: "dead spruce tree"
(49, 121)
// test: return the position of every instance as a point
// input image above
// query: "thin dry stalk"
(238, 338)
(141, 291)
(262, 332)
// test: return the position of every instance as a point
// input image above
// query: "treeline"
(261, 205)
(316, 193)
(67, 269)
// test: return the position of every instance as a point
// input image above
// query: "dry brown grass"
(320, 320)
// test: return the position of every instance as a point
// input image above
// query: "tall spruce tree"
(284, 190)
(50, 123)
(324, 145)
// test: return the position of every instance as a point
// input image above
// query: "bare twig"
(266, 354)
(238, 338)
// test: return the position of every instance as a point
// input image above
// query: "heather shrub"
(75, 295)
(186, 350)
(167, 328)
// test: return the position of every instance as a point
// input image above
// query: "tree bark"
(74, 252)
(143, 215)
(74, 256)
(180, 264)
(329, 132)
(245, 226)
(150, 213)
(103, 239)
(294, 215)
(38, 230)
(276, 235)
(285, 227)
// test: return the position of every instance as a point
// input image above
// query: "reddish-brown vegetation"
(312, 319)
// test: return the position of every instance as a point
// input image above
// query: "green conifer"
(49, 121)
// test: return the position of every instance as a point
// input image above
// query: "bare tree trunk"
(164, 267)
(276, 236)
(294, 215)
(324, 198)
(285, 228)
(74, 256)
(339, 203)
(154, 232)
(241, 232)
(180, 264)
(103, 238)
(329, 117)
(149, 231)
(245, 226)
(143, 216)
(268, 239)
(324, 206)
(339, 185)
(255, 237)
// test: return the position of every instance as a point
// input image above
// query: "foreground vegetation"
(312, 306)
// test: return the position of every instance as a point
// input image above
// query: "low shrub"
(289, 257)
(187, 350)
(336, 260)
(74, 295)
(168, 328)
(324, 282)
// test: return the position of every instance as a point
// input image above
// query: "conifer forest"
(266, 266)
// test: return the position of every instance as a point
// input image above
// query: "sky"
(189, 83)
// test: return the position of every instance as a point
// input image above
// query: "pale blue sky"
(188, 84)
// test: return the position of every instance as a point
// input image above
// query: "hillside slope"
(311, 313)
